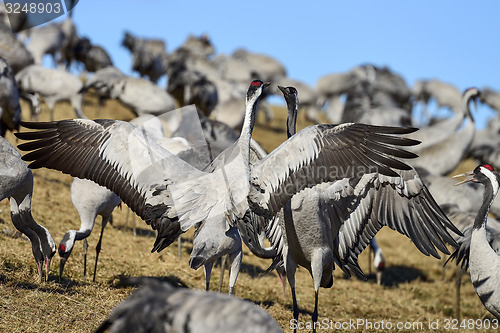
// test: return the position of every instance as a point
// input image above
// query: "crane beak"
(379, 275)
(46, 268)
(469, 174)
(39, 265)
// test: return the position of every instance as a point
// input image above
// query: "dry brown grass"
(415, 292)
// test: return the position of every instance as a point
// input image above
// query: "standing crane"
(476, 251)
(90, 200)
(16, 183)
(331, 223)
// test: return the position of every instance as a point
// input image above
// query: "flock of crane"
(319, 198)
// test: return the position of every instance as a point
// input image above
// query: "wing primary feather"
(391, 139)
(37, 125)
(392, 129)
(389, 161)
(390, 150)
(431, 232)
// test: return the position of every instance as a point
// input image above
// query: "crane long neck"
(248, 124)
(468, 97)
(490, 191)
(82, 233)
(291, 121)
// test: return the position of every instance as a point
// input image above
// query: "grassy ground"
(414, 294)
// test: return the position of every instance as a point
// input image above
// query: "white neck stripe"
(493, 179)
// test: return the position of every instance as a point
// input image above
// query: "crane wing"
(114, 154)
(402, 203)
(325, 153)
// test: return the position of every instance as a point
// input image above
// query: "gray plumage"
(46, 39)
(93, 57)
(171, 195)
(211, 239)
(445, 94)
(230, 112)
(141, 96)
(16, 184)
(148, 55)
(485, 146)
(215, 239)
(161, 308)
(14, 51)
(53, 85)
(436, 133)
(217, 136)
(264, 66)
(464, 221)
(379, 97)
(483, 260)
(102, 82)
(491, 97)
(444, 156)
(332, 223)
(308, 98)
(56, 39)
(199, 47)
(188, 86)
(16, 22)
(10, 110)
(67, 50)
(335, 84)
(90, 200)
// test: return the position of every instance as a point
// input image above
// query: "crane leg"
(290, 268)
(235, 260)
(370, 260)
(179, 246)
(458, 282)
(222, 268)
(315, 313)
(85, 247)
(39, 269)
(318, 260)
(295, 307)
(208, 272)
(133, 222)
(98, 248)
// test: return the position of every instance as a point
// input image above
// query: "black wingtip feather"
(392, 129)
(38, 124)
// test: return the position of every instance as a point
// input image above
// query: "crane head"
(481, 174)
(65, 248)
(290, 93)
